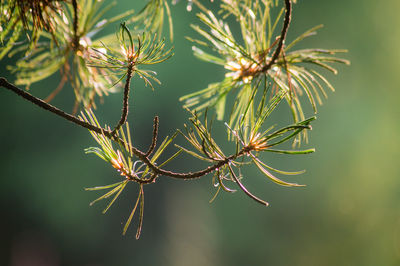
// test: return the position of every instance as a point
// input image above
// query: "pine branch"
(97, 66)
(48, 107)
(107, 133)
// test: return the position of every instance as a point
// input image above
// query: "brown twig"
(286, 23)
(125, 104)
(154, 138)
(75, 40)
(39, 102)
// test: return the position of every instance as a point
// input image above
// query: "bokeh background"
(349, 213)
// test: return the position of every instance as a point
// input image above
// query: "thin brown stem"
(125, 104)
(39, 102)
(154, 138)
(190, 175)
(75, 25)
(286, 23)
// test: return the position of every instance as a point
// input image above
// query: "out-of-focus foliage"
(152, 16)
(68, 52)
(34, 17)
(61, 49)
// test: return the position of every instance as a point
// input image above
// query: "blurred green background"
(348, 214)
